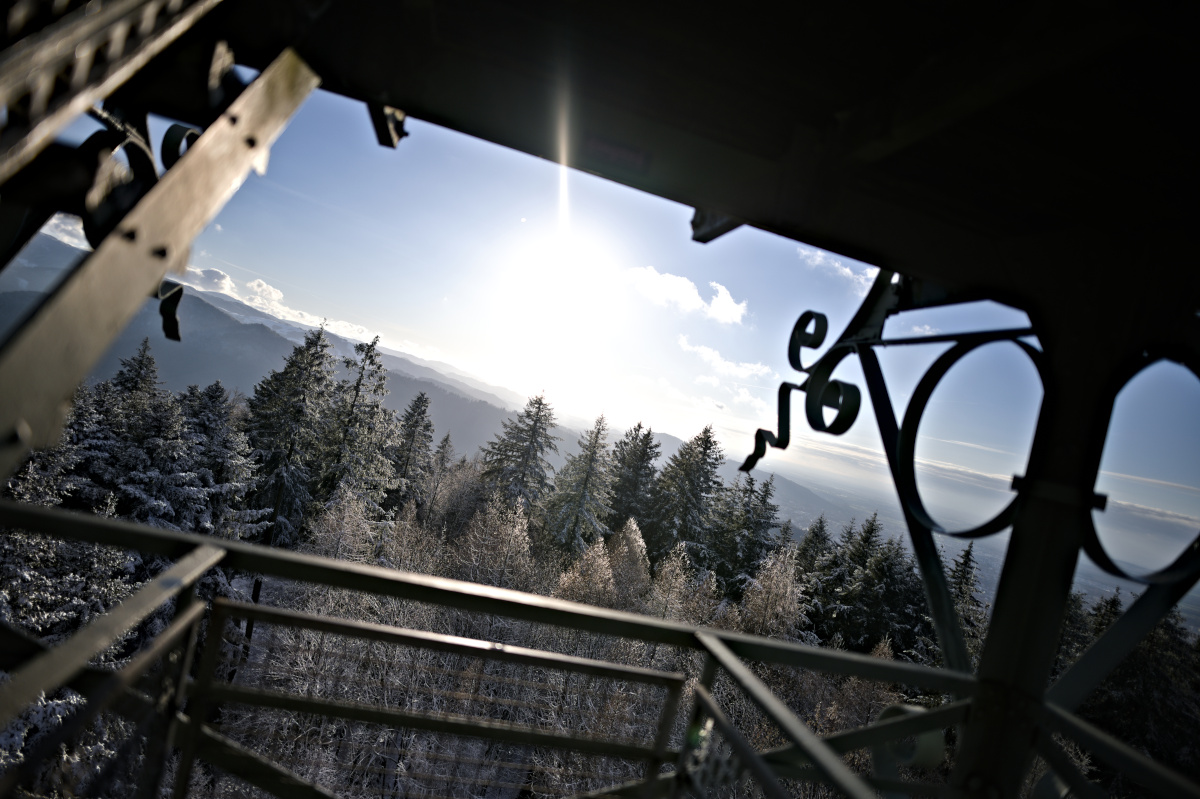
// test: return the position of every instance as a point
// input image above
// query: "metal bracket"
(75, 324)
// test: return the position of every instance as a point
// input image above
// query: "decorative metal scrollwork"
(890, 294)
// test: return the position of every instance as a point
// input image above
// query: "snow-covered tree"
(440, 465)
(866, 589)
(589, 579)
(514, 463)
(223, 462)
(972, 611)
(494, 550)
(774, 602)
(630, 566)
(743, 533)
(580, 503)
(156, 458)
(288, 427)
(814, 546)
(683, 501)
(411, 455)
(634, 473)
(362, 432)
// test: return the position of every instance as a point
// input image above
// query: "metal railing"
(178, 695)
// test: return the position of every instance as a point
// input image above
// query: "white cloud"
(68, 229)
(720, 365)
(923, 330)
(708, 380)
(209, 280)
(265, 293)
(668, 289)
(744, 397)
(859, 277)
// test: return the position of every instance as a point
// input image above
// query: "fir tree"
(634, 473)
(815, 545)
(289, 415)
(413, 462)
(744, 520)
(156, 458)
(514, 463)
(682, 506)
(581, 499)
(363, 430)
(440, 465)
(963, 581)
(223, 462)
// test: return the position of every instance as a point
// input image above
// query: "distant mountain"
(402, 363)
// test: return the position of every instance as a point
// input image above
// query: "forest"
(313, 461)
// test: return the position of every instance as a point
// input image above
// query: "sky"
(546, 280)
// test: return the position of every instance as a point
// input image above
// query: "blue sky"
(540, 279)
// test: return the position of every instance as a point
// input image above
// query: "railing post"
(691, 737)
(199, 705)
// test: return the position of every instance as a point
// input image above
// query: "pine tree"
(46, 477)
(1151, 700)
(223, 462)
(683, 501)
(413, 462)
(634, 473)
(156, 459)
(963, 581)
(514, 463)
(362, 431)
(866, 589)
(289, 421)
(440, 466)
(581, 499)
(815, 545)
(743, 523)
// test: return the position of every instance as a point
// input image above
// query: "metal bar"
(70, 44)
(824, 759)
(937, 591)
(447, 723)
(56, 666)
(198, 702)
(173, 693)
(471, 596)
(103, 693)
(1061, 765)
(767, 782)
(1107, 652)
(254, 768)
(469, 647)
(77, 322)
(666, 720)
(1132, 763)
(944, 338)
(877, 733)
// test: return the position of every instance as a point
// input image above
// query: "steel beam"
(74, 325)
(750, 759)
(255, 769)
(824, 759)
(86, 53)
(468, 647)
(1132, 763)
